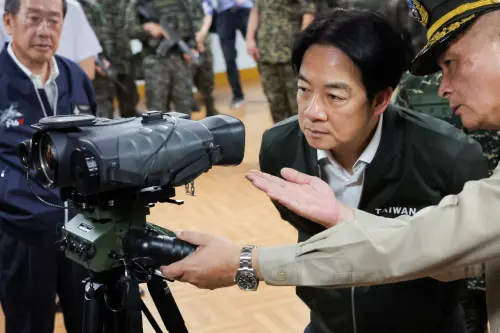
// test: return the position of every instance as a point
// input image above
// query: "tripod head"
(111, 230)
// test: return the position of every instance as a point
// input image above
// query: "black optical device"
(111, 172)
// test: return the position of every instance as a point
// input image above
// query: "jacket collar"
(9, 70)
(391, 142)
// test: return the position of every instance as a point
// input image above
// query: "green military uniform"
(203, 74)
(279, 23)
(420, 93)
(167, 78)
(107, 18)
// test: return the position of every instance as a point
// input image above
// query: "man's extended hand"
(213, 265)
(305, 195)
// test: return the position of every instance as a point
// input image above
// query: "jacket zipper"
(353, 305)
(3, 173)
(353, 289)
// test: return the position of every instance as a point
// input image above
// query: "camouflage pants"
(105, 91)
(168, 79)
(104, 94)
(280, 87)
(204, 79)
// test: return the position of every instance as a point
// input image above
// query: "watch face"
(246, 280)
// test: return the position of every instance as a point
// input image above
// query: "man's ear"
(7, 22)
(381, 100)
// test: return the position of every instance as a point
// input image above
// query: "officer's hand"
(213, 265)
(304, 195)
(252, 49)
(155, 30)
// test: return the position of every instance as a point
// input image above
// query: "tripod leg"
(150, 317)
(166, 306)
(92, 315)
(123, 307)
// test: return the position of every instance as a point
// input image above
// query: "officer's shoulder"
(436, 135)
(282, 134)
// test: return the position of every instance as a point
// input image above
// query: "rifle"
(110, 73)
(148, 14)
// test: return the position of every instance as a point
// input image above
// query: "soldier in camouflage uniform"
(203, 74)
(167, 78)
(107, 19)
(279, 22)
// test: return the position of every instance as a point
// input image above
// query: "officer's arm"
(471, 164)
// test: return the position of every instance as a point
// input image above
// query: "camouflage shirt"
(421, 94)
(107, 18)
(279, 23)
(179, 16)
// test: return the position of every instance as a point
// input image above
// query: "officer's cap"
(444, 20)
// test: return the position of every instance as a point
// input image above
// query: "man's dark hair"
(12, 6)
(375, 46)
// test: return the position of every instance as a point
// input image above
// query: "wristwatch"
(246, 278)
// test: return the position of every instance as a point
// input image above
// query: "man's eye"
(335, 97)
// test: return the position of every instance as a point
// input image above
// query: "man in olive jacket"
(378, 158)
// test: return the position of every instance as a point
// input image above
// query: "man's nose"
(43, 29)
(444, 90)
(315, 110)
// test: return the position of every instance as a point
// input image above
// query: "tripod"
(113, 305)
(100, 238)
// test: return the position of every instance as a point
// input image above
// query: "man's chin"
(319, 144)
(42, 54)
(469, 124)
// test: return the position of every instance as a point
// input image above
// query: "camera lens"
(25, 154)
(48, 158)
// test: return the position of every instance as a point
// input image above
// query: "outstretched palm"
(305, 195)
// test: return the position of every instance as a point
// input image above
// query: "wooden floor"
(228, 205)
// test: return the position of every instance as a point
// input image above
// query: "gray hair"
(13, 6)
